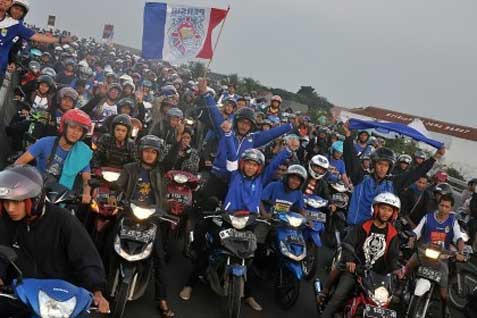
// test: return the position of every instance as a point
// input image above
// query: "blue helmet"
(337, 146)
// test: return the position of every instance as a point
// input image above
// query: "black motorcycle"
(134, 245)
(464, 281)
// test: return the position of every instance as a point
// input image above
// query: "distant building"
(460, 140)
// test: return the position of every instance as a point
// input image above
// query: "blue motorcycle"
(46, 298)
(290, 249)
(314, 206)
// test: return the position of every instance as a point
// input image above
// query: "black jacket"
(54, 246)
(415, 205)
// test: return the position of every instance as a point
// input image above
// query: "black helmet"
(22, 182)
(443, 189)
(121, 119)
(126, 101)
(420, 154)
(150, 142)
(245, 113)
(48, 80)
(472, 181)
(384, 154)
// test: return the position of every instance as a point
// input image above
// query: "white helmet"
(389, 199)
(126, 78)
(320, 161)
(23, 3)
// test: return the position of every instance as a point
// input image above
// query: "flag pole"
(216, 42)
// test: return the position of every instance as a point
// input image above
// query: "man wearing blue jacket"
(243, 138)
(366, 187)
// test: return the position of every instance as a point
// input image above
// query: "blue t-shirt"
(143, 192)
(275, 192)
(41, 151)
(339, 165)
(11, 31)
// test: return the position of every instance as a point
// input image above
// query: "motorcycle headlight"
(238, 223)
(142, 213)
(52, 308)
(381, 295)
(431, 253)
(110, 176)
(180, 178)
(295, 221)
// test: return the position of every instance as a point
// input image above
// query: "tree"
(197, 69)
(455, 173)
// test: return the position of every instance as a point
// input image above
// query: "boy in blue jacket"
(247, 180)
(243, 138)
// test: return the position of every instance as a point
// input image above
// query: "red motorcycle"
(179, 190)
(102, 204)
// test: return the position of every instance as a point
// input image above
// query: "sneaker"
(186, 293)
(253, 304)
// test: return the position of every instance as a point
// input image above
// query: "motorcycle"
(104, 211)
(290, 250)
(60, 195)
(464, 281)
(316, 218)
(180, 185)
(231, 246)
(427, 281)
(133, 266)
(45, 297)
(373, 295)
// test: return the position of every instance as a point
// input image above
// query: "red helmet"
(75, 116)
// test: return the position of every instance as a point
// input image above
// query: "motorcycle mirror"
(7, 253)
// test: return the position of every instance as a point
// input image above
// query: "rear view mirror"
(7, 253)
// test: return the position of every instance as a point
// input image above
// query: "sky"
(418, 57)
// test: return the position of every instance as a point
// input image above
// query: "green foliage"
(455, 172)
(402, 146)
(197, 69)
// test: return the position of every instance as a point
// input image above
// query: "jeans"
(345, 286)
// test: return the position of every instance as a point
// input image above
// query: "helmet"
(20, 183)
(115, 86)
(320, 161)
(387, 198)
(443, 189)
(337, 146)
(405, 159)
(34, 66)
(296, 170)
(150, 142)
(441, 177)
(23, 3)
(175, 112)
(472, 181)
(341, 200)
(130, 83)
(373, 141)
(276, 98)
(126, 101)
(147, 83)
(121, 119)
(69, 61)
(167, 90)
(125, 78)
(230, 101)
(420, 154)
(75, 116)
(68, 92)
(252, 155)
(245, 113)
(384, 154)
(363, 132)
(85, 72)
(48, 80)
(48, 71)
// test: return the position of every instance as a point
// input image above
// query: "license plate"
(134, 235)
(316, 216)
(377, 312)
(429, 273)
(232, 233)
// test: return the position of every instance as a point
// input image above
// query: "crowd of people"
(83, 105)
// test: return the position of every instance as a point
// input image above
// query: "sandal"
(165, 311)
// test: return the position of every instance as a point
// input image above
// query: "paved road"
(205, 303)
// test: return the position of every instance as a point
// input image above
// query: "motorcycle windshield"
(373, 281)
(241, 244)
(42, 294)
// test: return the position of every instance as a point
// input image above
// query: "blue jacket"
(366, 187)
(252, 140)
(245, 193)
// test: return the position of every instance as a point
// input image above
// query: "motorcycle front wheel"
(458, 300)
(287, 289)
(310, 262)
(120, 300)
(234, 296)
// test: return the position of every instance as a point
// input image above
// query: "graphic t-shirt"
(283, 200)
(374, 248)
(143, 192)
